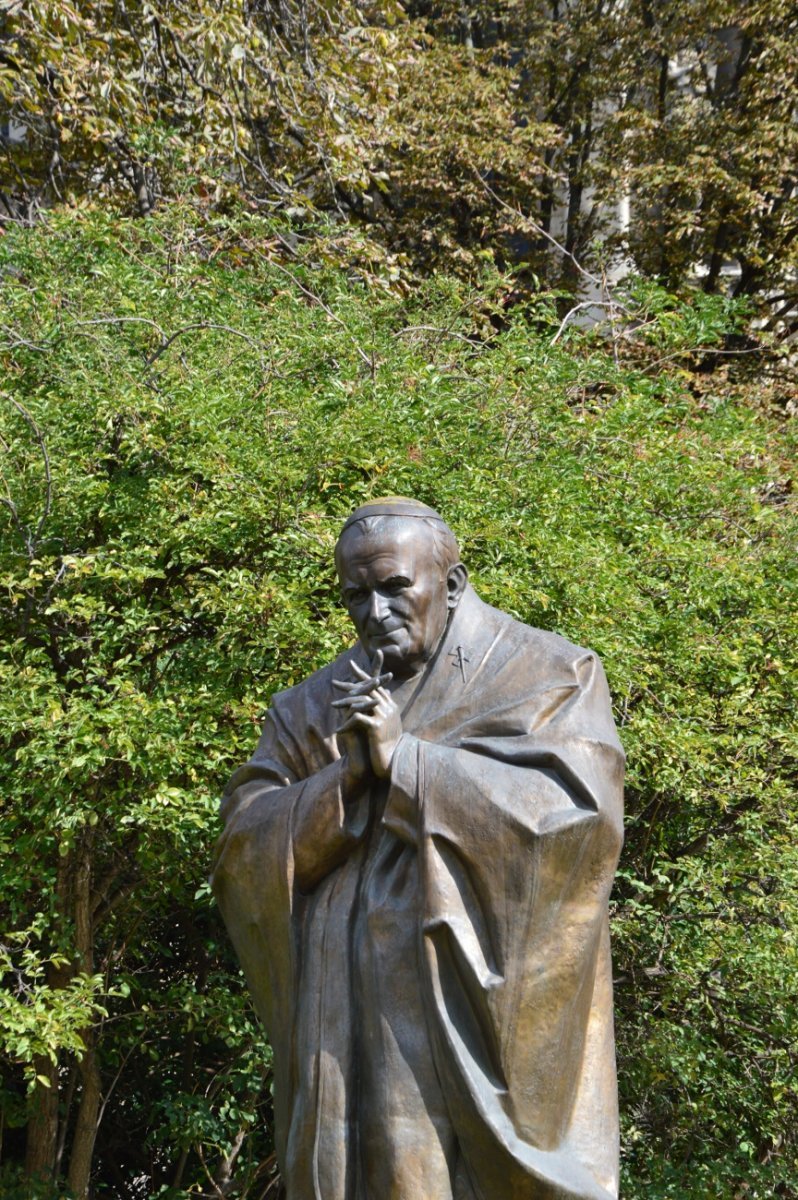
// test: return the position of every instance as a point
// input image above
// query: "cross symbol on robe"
(459, 660)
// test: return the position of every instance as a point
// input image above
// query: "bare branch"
(540, 231)
(167, 342)
(453, 333)
(368, 359)
(167, 339)
(20, 528)
(613, 307)
(701, 350)
(20, 341)
(112, 1085)
(124, 321)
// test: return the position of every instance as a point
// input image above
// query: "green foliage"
(185, 421)
(37, 1020)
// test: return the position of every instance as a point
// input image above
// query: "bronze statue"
(414, 871)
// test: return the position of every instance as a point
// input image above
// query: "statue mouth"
(384, 639)
(385, 635)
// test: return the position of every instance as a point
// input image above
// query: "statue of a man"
(414, 870)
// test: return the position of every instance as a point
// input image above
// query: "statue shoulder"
(540, 644)
(558, 649)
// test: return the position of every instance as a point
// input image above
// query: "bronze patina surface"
(414, 871)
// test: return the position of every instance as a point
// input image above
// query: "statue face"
(395, 592)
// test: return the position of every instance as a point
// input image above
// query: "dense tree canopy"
(260, 262)
(439, 134)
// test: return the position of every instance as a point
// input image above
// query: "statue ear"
(456, 580)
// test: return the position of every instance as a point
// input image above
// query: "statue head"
(400, 573)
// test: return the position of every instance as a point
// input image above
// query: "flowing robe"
(431, 958)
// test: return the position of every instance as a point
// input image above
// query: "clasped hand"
(369, 708)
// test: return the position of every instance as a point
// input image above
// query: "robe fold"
(431, 960)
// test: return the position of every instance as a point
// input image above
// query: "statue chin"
(399, 655)
(397, 659)
(394, 653)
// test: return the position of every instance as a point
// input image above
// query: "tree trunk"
(42, 1145)
(66, 1109)
(717, 258)
(86, 1126)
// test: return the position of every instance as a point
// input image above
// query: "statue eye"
(356, 596)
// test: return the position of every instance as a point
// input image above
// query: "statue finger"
(366, 688)
(347, 725)
(356, 703)
(344, 685)
(356, 721)
(355, 687)
(365, 685)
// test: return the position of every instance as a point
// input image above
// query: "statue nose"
(378, 608)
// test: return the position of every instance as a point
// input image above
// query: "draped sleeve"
(287, 825)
